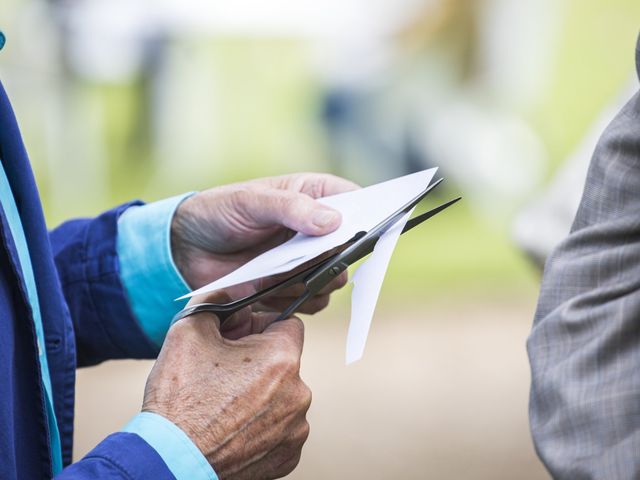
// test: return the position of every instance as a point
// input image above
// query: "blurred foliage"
(594, 59)
(266, 104)
(456, 257)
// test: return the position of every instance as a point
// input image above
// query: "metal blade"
(414, 222)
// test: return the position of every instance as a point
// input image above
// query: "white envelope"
(361, 211)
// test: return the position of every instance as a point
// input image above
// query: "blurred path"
(440, 394)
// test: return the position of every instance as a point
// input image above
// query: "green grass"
(593, 60)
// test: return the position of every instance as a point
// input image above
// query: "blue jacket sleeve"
(177, 450)
(86, 257)
(121, 456)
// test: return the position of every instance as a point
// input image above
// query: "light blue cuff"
(150, 278)
(178, 452)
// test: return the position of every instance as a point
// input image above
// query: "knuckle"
(179, 341)
(305, 430)
(296, 323)
(285, 361)
(342, 280)
(238, 195)
(191, 330)
(180, 330)
(314, 184)
(322, 301)
(292, 205)
(305, 396)
(241, 196)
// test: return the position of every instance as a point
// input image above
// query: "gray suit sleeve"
(584, 347)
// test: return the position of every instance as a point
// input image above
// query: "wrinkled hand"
(216, 231)
(241, 402)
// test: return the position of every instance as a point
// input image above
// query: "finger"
(294, 210)
(314, 305)
(199, 328)
(315, 185)
(257, 323)
(262, 320)
(204, 317)
(289, 332)
(329, 185)
(339, 282)
(236, 326)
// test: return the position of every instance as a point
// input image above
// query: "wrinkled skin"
(236, 391)
(242, 402)
(216, 231)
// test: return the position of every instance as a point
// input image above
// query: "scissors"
(317, 276)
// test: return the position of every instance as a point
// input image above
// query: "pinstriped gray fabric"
(584, 348)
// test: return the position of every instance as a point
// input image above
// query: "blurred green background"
(205, 104)
(264, 103)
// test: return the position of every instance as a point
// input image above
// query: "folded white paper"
(361, 210)
(367, 282)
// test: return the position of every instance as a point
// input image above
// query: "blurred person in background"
(219, 401)
(399, 79)
(435, 83)
(585, 343)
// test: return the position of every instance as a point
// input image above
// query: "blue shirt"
(87, 318)
(152, 282)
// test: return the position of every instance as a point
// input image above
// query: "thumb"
(293, 210)
(246, 323)
(204, 324)
(203, 327)
(289, 334)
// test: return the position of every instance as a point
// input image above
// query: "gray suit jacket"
(585, 344)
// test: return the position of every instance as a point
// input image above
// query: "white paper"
(367, 282)
(361, 210)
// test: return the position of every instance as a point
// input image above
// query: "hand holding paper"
(361, 211)
(218, 230)
(361, 239)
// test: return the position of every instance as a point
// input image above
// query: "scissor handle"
(214, 308)
(225, 310)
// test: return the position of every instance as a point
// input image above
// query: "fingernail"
(323, 217)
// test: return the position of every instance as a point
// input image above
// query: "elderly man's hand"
(241, 402)
(216, 231)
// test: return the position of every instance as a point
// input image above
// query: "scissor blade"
(414, 222)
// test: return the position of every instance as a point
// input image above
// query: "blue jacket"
(86, 318)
